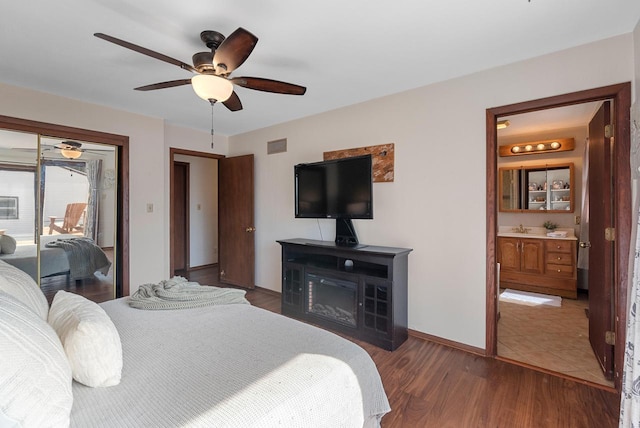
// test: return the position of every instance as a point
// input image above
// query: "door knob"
(585, 244)
(250, 229)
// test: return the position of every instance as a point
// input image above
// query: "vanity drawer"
(559, 258)
(559, 246)
(560, 270)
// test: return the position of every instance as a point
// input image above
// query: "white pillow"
(35, 376)
(7, 244)
(89, 339)
(20, 285)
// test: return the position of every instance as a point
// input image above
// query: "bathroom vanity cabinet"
(538, 264)
(521, 255)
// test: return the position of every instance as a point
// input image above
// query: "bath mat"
(528, 298)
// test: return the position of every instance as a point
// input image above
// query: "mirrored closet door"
(58, 203)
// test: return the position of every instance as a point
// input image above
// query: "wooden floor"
(98, 288)
(431, 385)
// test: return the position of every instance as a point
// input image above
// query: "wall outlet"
(577, 219)
(149, 208)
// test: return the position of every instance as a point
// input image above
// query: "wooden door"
(236, 221)
(180, 218)
(601, 252)
(532, 260)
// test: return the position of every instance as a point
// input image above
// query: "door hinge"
(610, 234)
(610, 337)
(608, 131)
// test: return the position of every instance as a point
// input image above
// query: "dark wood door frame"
(121, 142)
(181, 203)
(620, 94)
(173, 151)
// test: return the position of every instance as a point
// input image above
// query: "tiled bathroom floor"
(553, 338)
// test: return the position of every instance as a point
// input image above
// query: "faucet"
(521, 229)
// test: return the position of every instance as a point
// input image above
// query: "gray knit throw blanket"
(178, 293)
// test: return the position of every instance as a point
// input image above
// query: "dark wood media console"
(360, 291)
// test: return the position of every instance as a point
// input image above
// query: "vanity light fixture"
(538, 147)
(502, 124)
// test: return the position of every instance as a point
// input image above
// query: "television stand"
(361, 292)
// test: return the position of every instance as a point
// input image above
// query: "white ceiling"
(550, 119)
(344, 52)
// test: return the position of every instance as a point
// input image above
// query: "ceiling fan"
(68, 149)
(212, 69)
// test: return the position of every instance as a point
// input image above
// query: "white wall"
(149, 140)
(203, 209)
(439, 131)
(437, 203)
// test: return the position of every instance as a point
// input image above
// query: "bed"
(227, 365)
(56, 260)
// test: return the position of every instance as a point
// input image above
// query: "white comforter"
(231, 366)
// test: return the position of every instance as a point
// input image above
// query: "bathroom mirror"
(537, 188)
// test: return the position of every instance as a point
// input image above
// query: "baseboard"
(450, 343)
(267, 291)
(414, 333)
(209, 266)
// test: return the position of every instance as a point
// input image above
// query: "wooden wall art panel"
(382, 157)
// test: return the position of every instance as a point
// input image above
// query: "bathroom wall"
(535, 218)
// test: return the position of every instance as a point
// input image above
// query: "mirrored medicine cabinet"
(537, 188)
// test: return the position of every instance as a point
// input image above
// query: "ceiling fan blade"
(234, 50)
(268, 85)
(145, 51)
(233, 103)
(163, 85)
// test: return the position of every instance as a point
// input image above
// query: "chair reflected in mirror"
(71, 222)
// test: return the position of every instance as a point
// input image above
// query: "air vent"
(277, 146)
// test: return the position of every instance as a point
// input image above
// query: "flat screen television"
(341, 189)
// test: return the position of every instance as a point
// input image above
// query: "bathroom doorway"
(620, 96)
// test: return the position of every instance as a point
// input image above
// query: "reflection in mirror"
(18, 200)
(509, 189)
(541, 188)
(64, 202)
(78, 222)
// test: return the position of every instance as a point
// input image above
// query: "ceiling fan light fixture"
(210, 87)
(70, 153)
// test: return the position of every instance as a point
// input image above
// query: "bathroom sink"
(535, 232)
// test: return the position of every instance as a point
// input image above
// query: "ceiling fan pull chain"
(212, 103)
